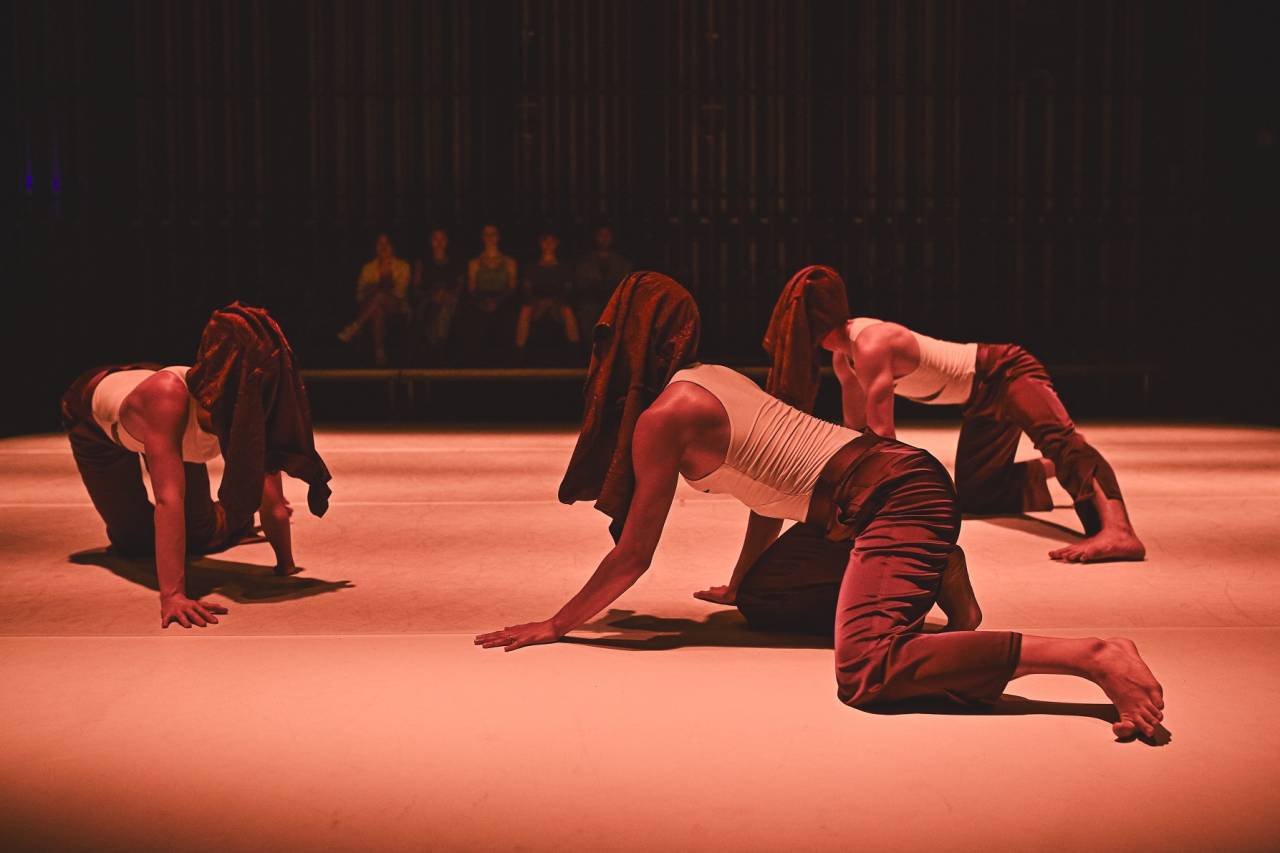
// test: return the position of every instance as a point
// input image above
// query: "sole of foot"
(1130, 685)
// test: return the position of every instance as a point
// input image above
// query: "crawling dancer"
(1003, 391)
(243, 399)
(653, 414)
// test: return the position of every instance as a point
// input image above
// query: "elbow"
(631, 563)
(279, 514)
(169, 502)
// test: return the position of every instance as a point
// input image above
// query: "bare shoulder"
(680, 407)
(157, 410)
(882, 338)
(160, 399)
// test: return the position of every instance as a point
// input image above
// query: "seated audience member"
(382, 292)
(597, 274)
(491, 280)
(438, 282)
(547, 287)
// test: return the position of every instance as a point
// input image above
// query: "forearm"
(171, 548)
(853, 401)
(275, 526)
(615, 575)
(761, 533)
(274, 513)
(880, 413)
(854, 412)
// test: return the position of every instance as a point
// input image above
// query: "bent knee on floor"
(862, 668)
(859, 692)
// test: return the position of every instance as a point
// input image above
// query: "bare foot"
(1104, 546)
(955, 595)
(1122, 674)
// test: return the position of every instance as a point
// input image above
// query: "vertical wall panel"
(990, 169)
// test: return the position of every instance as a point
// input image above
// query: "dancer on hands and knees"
(1003, 392)
(876, 547)
(242, 399)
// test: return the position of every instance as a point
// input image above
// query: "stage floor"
(346, 708)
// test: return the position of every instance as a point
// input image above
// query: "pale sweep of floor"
(346, 709)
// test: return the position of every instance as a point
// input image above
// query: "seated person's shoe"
(348, 333)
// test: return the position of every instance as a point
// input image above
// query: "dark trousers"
(869, 575)
(1013, 394)
(113, 478)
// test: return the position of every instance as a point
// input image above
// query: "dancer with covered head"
(242, 399)
(1003, 392)
(653, 414)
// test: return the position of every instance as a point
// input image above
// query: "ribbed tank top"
(491, 280)
(108, 397)
(944, 375)
(775, 453)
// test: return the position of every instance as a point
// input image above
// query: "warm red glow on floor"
(330, 715)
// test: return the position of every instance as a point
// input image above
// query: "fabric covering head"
(811, 305)
(647, 332)
(246, 377)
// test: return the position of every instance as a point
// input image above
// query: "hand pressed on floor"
(187, 612)
(518, 636)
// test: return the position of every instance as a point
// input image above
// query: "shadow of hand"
(243, 583)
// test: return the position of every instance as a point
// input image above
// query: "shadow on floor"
(1010, 705)
(631, 631)
(1042, 527)
(244, 583)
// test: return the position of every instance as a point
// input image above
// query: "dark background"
(1095, 180)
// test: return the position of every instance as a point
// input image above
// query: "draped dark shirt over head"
(812, 304)
(647, 332)
(246, 376)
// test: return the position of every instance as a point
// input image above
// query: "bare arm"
(761, 533)
(163, 449)
(275, 513)
(158, 411)
(853, 399)
(875, 374)
(472, 268)
(511, 274)
(656, 454)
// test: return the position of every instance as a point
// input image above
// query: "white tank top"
(775, 453)
(944, 375)
(108, 397)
